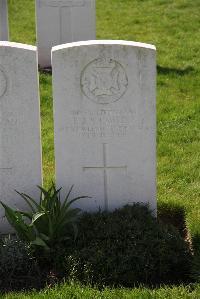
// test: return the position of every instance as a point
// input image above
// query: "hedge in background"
(127, 247)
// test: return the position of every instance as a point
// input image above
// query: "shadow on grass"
(174, 214)
(173, 71)
(196, 242)
(196, 261)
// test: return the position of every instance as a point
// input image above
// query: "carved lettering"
(102, 123)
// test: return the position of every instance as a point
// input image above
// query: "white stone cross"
(60, 4)
(105, 168)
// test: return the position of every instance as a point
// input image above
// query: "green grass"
(75, 291)
(174, 27)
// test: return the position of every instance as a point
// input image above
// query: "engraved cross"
(60, 4)
(105, 169)
(4, 168)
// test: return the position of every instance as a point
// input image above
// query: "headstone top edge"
(18, 46)
(104, 42)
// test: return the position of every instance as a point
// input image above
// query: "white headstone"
(105, 122)
(4, 35)
(20, 148)
(63, 21)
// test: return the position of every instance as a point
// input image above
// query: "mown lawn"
(174, 27)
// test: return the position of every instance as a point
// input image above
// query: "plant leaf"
(39, 242)
(37, 216)
(74, 199)
(26, 214)
(26, 200)
(44, 237)
(16, 221)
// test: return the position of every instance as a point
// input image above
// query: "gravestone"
(20, 148)
(4, 35)
(63, 21)
(105, 122)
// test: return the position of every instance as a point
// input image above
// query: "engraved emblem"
(104, 80)
(3, 83)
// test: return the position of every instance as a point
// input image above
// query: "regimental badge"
(104, 80)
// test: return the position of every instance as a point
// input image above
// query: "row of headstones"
(104, 122)
(58, 22)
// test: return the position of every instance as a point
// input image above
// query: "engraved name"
(103, 123)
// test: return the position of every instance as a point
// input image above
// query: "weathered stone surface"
(20, 149)
(4, 31)
(105, 121)
(63, 21)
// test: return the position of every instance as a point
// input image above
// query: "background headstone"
(20, 148)
(63, 21)
(4, 31)
(105, 122)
